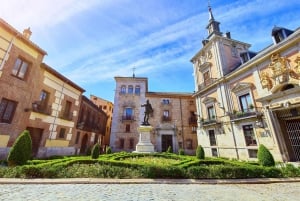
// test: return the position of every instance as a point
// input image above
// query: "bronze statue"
(148, 111)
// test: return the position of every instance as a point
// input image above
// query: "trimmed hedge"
(265, 158)
(200, 152)
(21, 150)
(95, 151)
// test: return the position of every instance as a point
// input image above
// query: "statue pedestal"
(144, 145)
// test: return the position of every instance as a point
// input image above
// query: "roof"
(19, 35)
(57, 74)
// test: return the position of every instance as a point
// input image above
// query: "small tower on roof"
(213, 26)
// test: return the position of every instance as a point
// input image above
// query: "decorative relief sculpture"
(297, 67)
(279, 68)
(265, 81)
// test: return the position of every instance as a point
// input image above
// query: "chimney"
(27, 33)
(228, 34)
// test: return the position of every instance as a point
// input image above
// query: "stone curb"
(147, 181)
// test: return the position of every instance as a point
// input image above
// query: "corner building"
(173, 119)
(247, 98)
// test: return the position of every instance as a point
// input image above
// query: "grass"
(134, 165)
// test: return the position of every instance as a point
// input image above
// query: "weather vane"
(133, 69)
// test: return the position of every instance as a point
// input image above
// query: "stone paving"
(150, 191)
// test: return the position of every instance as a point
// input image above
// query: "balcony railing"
(207, 83)
(253, 112)
(212, 120)
(128, 118)
(192, 120)
(165, 118)
(67, 116)
(41, 108)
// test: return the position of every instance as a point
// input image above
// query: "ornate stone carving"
(265, 81)
(278, 65)
(297, 67)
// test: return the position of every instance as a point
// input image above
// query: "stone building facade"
(173, 118)
(107, 107)
(247, 98)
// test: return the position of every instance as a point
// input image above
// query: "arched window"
(137, 90)
(123, 89)
(130, 89)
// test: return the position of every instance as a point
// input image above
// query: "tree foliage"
(21, 150)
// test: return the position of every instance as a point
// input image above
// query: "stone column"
(144, 145)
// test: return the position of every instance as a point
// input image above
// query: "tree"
(95, 151)
(265, 158)
(21, 150)
(200, 154)
(108, 150)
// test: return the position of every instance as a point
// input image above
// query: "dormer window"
(246, 56)
(279, 34)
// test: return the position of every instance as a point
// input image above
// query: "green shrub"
(95, 151)
(169, 150)
(290, 171)
(108, 150)
(181, 152)
(264, 156)
(200, 152)
(88, 151)
(21, 150)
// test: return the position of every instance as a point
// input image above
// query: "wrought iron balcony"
(38, 107)
(166, 118)
(67, 115)
(192, 120)
(206, 83)
(243, 114)
(128, 118)
(209, 121)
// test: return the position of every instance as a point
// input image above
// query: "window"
(189, 144)
(244, 57)
(123, 89)
(194, 129)
(252, 153)
(20, 68)
(44, 96)
(166, 115)
(128, 114)
(166, 101)
(245, 102)
(279, 36)
(212, 138)
(104, 107)
(211, 112)
(67, 111)
(137, 90)
(214, 152)
(249, 135)
(127, 128)
(121, 143)
(7, 110)
(62, 133)
(130, 89)
(131, 143)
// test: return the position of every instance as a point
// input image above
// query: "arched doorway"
(83, 147)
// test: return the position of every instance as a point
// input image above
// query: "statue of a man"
(148, 111)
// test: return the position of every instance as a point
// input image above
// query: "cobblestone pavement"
(148, 192)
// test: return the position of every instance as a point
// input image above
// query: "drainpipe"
(7, 52)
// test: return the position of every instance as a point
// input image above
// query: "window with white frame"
(245, 101)
(7, 110)
(211, 112)
(20, 68)
(249, 135)
(212, 138)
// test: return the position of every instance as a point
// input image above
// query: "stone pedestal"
(144, 145)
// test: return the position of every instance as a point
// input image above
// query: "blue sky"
(92, 41)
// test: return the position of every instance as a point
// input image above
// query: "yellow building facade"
(245, 98)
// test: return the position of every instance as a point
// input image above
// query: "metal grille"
(293, 131)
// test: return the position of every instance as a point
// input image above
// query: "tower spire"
(211, 16)
(213, 25)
